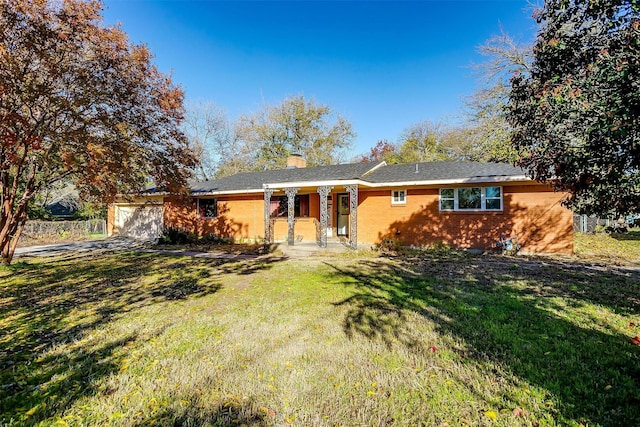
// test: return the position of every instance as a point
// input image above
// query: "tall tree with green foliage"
(296, 126)
(422, 142)
(80, 103)
(487, 129)
(576, 117)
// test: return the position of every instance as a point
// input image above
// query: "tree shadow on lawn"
(631, 235)
(50, 310)
(227, 414)
(512, 313)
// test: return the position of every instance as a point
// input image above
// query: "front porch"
(294, 214)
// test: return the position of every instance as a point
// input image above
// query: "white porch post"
(353, 215)
(324, 214)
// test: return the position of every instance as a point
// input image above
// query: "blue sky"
(381, 65)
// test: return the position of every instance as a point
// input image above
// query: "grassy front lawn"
(613, 248)
(444, 339)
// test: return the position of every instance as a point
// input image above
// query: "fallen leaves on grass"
(519, 412)
(492, 415)
(635, 340)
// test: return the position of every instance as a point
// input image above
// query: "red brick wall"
(239, 217)
(531, 212)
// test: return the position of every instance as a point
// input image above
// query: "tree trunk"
(11, 231)
(10, 248)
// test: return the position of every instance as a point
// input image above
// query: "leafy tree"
(422, 142)
(211, 135)
(425, 142)
(382, 151)
(296, 126)
(487, 127)
(576, 117)
(488, 130)
(79, 102)
(431, 142)
(460, 143)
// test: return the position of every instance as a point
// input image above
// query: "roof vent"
(417, 168)
(296, 161)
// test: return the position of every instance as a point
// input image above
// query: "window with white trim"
(471, 199)
(493, 198)
(207, 208)
(398, 197)
(447, 199)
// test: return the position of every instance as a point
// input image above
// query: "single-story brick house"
(463, 204)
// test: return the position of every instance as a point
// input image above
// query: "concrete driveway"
(116, 243)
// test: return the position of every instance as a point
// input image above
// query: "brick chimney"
(296, 161)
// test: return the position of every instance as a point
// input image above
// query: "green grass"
(440, 339)
(611, 248)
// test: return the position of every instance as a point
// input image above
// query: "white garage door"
(138, 222)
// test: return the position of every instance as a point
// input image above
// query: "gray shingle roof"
(437, 171)
(254, 180)
(432, 171)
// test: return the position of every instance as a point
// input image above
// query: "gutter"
(367, 184)
(222, 192)
(475, 180)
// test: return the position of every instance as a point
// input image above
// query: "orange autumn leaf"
(519, 412)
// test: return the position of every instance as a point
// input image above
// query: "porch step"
(306, 249)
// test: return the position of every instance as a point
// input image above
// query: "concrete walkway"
(118, 243)
(299, 250)
(208, 255)
(307, 249)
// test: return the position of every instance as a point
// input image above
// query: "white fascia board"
(330, 183)
(222, 193)
(140, 203)
(340, 183)
(479, 180)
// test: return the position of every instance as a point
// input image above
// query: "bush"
(178, 236)
(216, 240)
(174, 236)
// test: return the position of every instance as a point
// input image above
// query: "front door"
(343, 215)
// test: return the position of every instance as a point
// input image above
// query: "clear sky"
(381, 65)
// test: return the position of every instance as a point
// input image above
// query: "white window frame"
(483, 199)
(198, 208)
(399, 202)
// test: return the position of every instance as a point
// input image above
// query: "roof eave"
(225, 192)
(360, 182)
(454, 181)
(299, 184)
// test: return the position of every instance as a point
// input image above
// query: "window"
(398, 197)
(493, 198)
(279, 206)
(447, 199)
(471, 199)
(207, 208)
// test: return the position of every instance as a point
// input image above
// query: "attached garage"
(138, 221)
